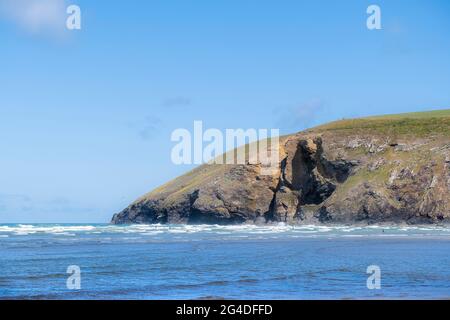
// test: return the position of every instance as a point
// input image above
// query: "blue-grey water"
(231, 262)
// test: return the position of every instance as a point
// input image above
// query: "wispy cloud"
(19, 208)
(150, 128)
(147, 128)
(300, 116)
(14, 202)
(176, 102)
(36, 16)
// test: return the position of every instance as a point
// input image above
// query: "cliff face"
(380, 169)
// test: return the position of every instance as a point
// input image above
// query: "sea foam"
(220, 230)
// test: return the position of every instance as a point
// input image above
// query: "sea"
(103, 261)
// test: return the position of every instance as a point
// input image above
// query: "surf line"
(186, 310)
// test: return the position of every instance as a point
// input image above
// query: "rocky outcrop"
(358, 171)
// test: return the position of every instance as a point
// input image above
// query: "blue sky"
(86, 115)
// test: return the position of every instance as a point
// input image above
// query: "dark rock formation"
(355, 171)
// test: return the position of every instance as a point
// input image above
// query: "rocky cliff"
(371, 170)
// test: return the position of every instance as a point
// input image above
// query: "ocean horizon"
(276, 261)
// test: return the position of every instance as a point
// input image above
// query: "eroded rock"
(323, 177)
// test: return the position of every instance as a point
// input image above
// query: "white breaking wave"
(158, 229)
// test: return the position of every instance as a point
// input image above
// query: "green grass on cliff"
(415, 115)
(417, 123)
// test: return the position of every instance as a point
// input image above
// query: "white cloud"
(35, 16)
